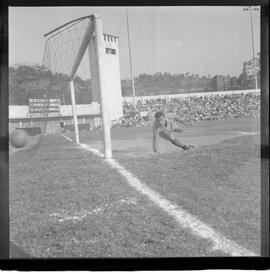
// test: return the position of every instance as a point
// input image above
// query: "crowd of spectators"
(214, 107)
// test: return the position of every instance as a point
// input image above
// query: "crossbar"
(78, 19)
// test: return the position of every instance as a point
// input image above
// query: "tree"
(27, 82)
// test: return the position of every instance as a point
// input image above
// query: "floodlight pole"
(74, 112)
(102, 86)
(254, 64)
(130, 64)
(252, 38)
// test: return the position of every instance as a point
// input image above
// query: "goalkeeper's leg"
(177, 143)
(169, 136)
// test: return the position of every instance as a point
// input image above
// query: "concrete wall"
(65, 110)
(18, 112)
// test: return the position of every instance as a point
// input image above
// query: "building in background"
(221, 82)
(235, 83)
(248, 75)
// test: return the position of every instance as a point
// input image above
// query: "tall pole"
(254, 63)
(130, 63)
(252, 38)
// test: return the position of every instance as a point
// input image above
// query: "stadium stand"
(215, 107)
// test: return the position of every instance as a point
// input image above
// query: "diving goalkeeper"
(165, 128)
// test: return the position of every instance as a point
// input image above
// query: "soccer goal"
(71, 50)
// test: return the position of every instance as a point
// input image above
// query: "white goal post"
(72, 41)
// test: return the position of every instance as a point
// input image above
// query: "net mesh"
(62, 47)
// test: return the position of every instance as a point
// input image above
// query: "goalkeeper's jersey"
(164, 131)
(167, 127)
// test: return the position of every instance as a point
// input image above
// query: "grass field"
(67, 202)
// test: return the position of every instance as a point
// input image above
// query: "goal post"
(74, 111)
(65, 49)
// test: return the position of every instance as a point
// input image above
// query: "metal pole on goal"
(102, 86)
(74, 112)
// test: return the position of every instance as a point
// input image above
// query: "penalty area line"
(183, 218)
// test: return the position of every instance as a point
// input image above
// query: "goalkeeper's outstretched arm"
(176, 118)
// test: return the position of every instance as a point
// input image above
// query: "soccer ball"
(18, 138)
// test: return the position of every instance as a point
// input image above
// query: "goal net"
(67, 57)
(62, 47)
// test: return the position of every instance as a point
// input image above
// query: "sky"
(199, 40)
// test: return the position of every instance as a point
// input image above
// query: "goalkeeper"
(165, 128)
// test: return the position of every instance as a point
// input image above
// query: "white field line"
(79, 216)
(244, 132)
(70, 140)
(184, 219)
(61, 217)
